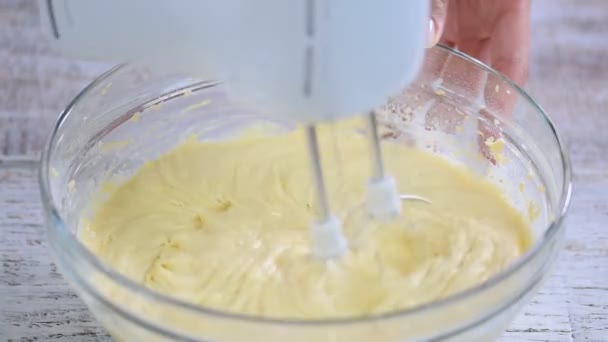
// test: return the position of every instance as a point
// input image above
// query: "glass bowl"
(130, 115)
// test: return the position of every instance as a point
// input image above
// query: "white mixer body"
(305, 60)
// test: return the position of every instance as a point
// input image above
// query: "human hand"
(496, 32)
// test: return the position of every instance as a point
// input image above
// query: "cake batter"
(225, 225)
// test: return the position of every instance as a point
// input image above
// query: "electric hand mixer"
(308, 61)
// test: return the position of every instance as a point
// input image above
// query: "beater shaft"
(317, 170)
(376, 151)
(327, 238)
(383, 200)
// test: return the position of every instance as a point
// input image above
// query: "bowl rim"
(73, 244)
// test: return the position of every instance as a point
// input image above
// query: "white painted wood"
(569, 77)
(36, 304)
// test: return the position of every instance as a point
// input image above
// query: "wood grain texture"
(568, 76)
(36, 304)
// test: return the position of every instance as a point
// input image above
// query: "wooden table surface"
(569, 70)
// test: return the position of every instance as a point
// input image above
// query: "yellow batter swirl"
(225, 225)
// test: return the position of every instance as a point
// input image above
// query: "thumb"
(439, 12)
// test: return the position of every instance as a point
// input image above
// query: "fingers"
(509, 49)
(510, 43)
(461, 75)
(439, 12)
